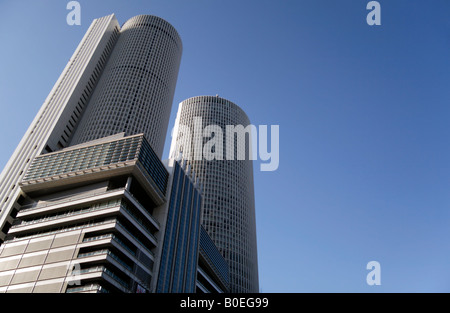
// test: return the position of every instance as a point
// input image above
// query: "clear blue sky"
(363, 111)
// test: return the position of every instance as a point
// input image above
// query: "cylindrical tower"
(136, 89)
(228, 191)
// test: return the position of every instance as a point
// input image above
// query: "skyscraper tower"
(87, 205)
(135, 93)
(86, 192)
(228, 191)
(117, 81)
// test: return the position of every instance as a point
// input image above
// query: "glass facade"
(178, 265)
(102, 154)
(209, 251)
(152, 164)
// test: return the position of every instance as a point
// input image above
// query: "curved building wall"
(135, 92)
(228, 191)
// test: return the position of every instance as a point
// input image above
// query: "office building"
(213, 272)
(189, 261)
(87, 205)
(105, 217)
(228, 192)
(117, 81)
(87, 221)
(135, 91)
(178, 263)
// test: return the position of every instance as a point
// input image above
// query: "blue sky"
(363, 113)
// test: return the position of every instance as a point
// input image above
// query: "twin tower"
(119, 85)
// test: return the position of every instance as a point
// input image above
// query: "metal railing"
(63, 230)
(107, 252)
(91, 287)
(35, 206)
(135, 238)
(65, 214)
(113, 237)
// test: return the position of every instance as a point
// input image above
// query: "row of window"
(84, 158)
(118, 108)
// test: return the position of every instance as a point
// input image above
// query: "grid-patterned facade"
(84, 195)
(211, 263)
(132, 148)
(135, 92)
(228, 191)
(58, 117)
(95, 229)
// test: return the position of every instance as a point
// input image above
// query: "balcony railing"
(98, 237)
(35, 206)
(117, 278)
(107, 252)
(145, 209)
(66, 214)
(137, 220)
(63, 230)
(97, 287)
(113, 237)
(91, 287)
(135, 238)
